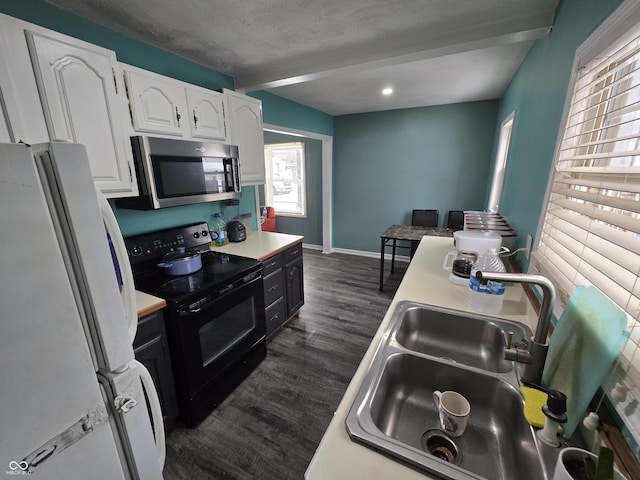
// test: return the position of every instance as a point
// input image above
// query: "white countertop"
(260, 245)
(339, 458)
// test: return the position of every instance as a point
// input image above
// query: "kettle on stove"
(236, 231)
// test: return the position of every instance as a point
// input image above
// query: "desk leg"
(383, 242)
(393, 257)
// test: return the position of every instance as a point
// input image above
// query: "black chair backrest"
(455, 219)
(425, 218)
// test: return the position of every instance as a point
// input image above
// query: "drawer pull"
(275, 287)
(275, 317)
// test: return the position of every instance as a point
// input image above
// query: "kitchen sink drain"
(442, 446)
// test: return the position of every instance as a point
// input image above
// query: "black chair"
(455, 220)
(423, 218)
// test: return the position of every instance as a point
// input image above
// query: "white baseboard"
(363, 253)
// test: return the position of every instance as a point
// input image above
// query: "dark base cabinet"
(294, 279)
(283, 287)
(151, 349)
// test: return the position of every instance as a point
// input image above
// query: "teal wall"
(388, 163)
(311, 226)
(276, 110)
(285, 113)
(537, 94)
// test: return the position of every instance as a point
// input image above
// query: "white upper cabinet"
(23, 115)
(207, 113)
(165, 106)
(158, 104)
(84, 102)
(245, 118)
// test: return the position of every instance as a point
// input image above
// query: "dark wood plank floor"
(270, 426)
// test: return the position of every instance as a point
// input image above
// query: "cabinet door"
(83, 103)
(295, 282)
(245, 117)
(207, 114)
(158, 105)
(151, 349)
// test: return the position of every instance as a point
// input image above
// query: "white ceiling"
(337, 55)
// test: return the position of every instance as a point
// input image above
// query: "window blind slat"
(609, 182)
(625, 241)
(628, 205)
(625, 222)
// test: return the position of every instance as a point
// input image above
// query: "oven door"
(215, 336)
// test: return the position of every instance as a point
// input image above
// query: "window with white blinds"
(590, 233)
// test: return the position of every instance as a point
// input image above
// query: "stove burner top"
(188, 283)
(217, 270)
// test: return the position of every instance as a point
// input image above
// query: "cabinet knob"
(195, 119)
(178, 116)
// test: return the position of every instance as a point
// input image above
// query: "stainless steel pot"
(181, 262)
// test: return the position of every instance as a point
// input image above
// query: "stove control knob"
(136, 250)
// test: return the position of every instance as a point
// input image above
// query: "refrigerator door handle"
(128, 288)
(156, 411)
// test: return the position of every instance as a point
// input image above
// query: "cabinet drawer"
(149, 328)
(275, 315)
(293, 253)
(271, 264)
(273, 286)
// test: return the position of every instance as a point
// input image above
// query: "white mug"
(453, 410)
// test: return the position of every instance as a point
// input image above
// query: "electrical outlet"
(527, 251)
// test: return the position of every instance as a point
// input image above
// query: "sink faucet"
(534, 358)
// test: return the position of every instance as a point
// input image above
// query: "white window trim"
(620, 21)
(327, 179)
(500, 167)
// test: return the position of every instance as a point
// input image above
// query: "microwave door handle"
(229, 177)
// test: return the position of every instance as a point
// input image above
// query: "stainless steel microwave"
(178, 172)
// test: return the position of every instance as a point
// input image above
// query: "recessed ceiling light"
(387, 91)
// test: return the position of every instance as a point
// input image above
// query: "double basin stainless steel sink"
(427, 348)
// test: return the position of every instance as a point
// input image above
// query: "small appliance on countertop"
(469, 246)
(236, 231)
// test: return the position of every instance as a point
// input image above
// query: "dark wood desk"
(407, 233)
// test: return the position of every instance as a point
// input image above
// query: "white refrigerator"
(72, 404)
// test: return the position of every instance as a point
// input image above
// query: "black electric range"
(218, 270)
(215, 318)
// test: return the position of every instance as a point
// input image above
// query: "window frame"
(500, 167)
(299, 182)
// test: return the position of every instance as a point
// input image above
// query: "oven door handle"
(223, 292)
